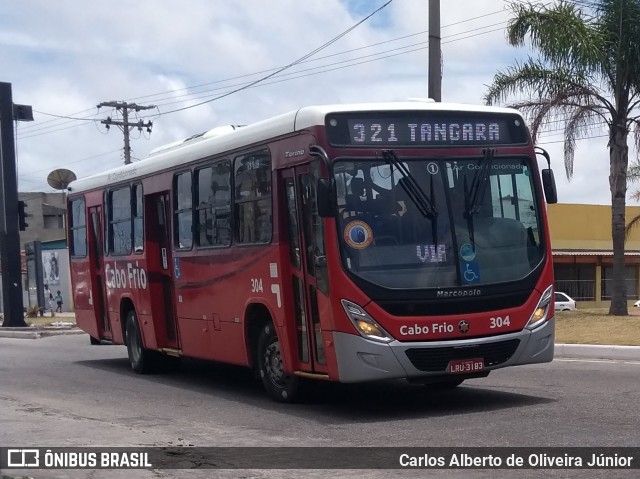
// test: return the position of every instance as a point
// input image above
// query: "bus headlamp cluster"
(365, 324)
(541, 313)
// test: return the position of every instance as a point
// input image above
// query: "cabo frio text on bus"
(127, 275)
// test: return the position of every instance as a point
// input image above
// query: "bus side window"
(214, 205)
(138, 219)
(120, 231)
(252, 212)
(183, 212)
(78, 229)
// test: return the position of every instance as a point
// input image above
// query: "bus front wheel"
(279, 385)
(141, 359)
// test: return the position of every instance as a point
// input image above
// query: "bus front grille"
(437, 359)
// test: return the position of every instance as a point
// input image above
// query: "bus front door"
(308, 268)
(98, 284)
(159, 264)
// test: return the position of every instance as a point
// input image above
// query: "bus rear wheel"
(279, 385)
(142, 360)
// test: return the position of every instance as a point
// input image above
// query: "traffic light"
(22, 215)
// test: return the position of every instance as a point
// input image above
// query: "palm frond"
(631, 225)
(577, 125)
(633, 175)
(619, 24)
(561, 33)
(542, 82)
(636, 134)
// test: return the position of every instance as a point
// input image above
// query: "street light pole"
(435, 52)
(9, 235)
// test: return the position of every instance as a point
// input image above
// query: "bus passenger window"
(183, 212)
(120, 230)
(214, 205)
(78, 229)
(253, 216)
(138, 220)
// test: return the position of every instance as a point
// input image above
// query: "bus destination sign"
(429, 130)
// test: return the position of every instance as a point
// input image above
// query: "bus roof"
(228, 138)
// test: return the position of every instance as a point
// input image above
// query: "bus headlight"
(365, 324)
(541, 313)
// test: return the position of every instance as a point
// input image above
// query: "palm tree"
(587, 76)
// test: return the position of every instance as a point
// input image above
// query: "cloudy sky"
(66, 57)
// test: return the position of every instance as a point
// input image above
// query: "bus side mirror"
(549, 185)
(325, 198)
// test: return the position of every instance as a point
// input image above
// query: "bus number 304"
(256, 285)
(499, 322)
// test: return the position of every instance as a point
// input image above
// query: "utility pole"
(124, 124)
(435, 53)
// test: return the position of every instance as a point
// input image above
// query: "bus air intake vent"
(437, 359)
(432, 307)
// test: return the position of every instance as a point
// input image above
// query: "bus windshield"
(436, 223)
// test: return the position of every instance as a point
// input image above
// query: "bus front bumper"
(361, 360)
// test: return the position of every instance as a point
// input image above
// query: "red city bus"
(348, 243)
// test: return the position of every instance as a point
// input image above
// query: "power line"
(275, 71)
(304, 57)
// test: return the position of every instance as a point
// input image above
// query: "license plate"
(458, 366)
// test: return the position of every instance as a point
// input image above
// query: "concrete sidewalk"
(597, 351)
(64, 323)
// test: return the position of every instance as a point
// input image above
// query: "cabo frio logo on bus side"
(130, 276)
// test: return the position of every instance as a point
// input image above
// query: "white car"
(637, 304)
(564, 302)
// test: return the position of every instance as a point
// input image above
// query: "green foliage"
(33, 311)
(586, 78)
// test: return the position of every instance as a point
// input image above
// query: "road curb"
(597, 351)
(35, 333)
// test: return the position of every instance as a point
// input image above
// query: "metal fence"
(631, 285)
(585, 289)
(580, 290)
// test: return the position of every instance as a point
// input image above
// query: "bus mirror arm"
(325, 199)
(548, 180)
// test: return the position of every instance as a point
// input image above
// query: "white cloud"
(66, 57)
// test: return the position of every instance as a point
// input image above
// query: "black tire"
(94, 341)
(142, 360)
(280, 386)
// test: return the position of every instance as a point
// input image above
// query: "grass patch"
(48, 320)
(595, 326)
(45, 321)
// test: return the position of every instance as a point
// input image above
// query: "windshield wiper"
(425, 204)
(473, 196)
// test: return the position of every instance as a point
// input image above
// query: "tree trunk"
(618, 161)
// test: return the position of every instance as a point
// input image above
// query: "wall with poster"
(53, 272)
(56, 274)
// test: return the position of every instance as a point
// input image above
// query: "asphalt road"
(60, 391)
